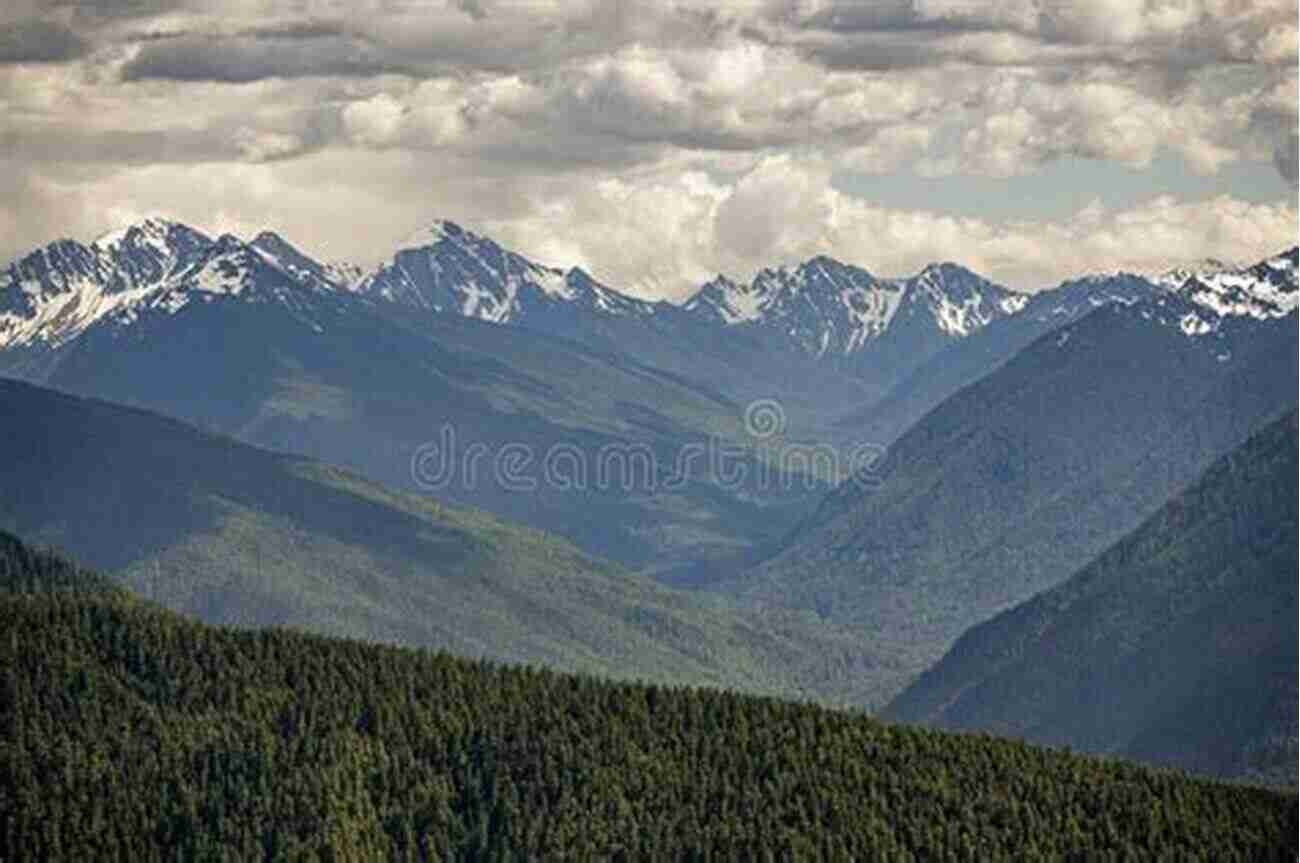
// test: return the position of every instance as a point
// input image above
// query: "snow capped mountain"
(158, 266)
(147, 252)
(1074, 298)
(1210, 299)
(826, 307)
(822, 305)
(723, 301)
(447, 268)
(1218, 303)
(958, 300)
(279, 253)
(819, 309)
(1262, 291)
(1221, 307)
(55, 293)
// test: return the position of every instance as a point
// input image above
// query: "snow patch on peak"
(734, 303)
(1013, 304)
(220, 276)
(56, 293)
(152, 233)
(346, 275)
(1263, 291)
(825, 305)
(149, 225)
(1194, 325)
(961, 318)
(1286, 262)
(273, 246)
(742, 304)
(438, 231)
(956, 298)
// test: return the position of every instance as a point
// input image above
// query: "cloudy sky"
(657, 143)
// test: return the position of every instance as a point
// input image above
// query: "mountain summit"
(1264, 290)
(826, 307)
(51, 296)
(449, 269)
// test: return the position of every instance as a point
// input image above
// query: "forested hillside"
(232, 534)
(1013, 484)
(1177, 645)
(132, 733)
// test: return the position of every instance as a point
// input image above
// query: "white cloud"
(776, 212)
(262, 146)
(889, 149)
(1027, 121)
(375, 121)
(653, 143)
(657, 232)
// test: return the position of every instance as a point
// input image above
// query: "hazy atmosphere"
(657, 144)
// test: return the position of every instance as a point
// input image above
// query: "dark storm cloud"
(869, 52)
(123, 147)
(225, 137)
(318, 29)
(472, 8)
(37, 41)
(244, 58)
(467, 36)
(904, 34)
(894, 16)
(1286, 156)
(1275, 125)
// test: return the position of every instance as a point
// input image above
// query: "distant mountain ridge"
(822, 308)
(826, 306)
(821, 312)
(1178, 300)
(1263, 290)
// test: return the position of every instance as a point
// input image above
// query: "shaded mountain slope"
(1177, 645)
(237, 535)
(1017, 481)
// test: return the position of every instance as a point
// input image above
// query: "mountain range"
(855, 332)
(858, 331)
(1016, 481)
(366, 368)
(247, 339)
(821, 308)
(1026, 435)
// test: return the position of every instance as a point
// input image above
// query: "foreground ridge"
(135, 733)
